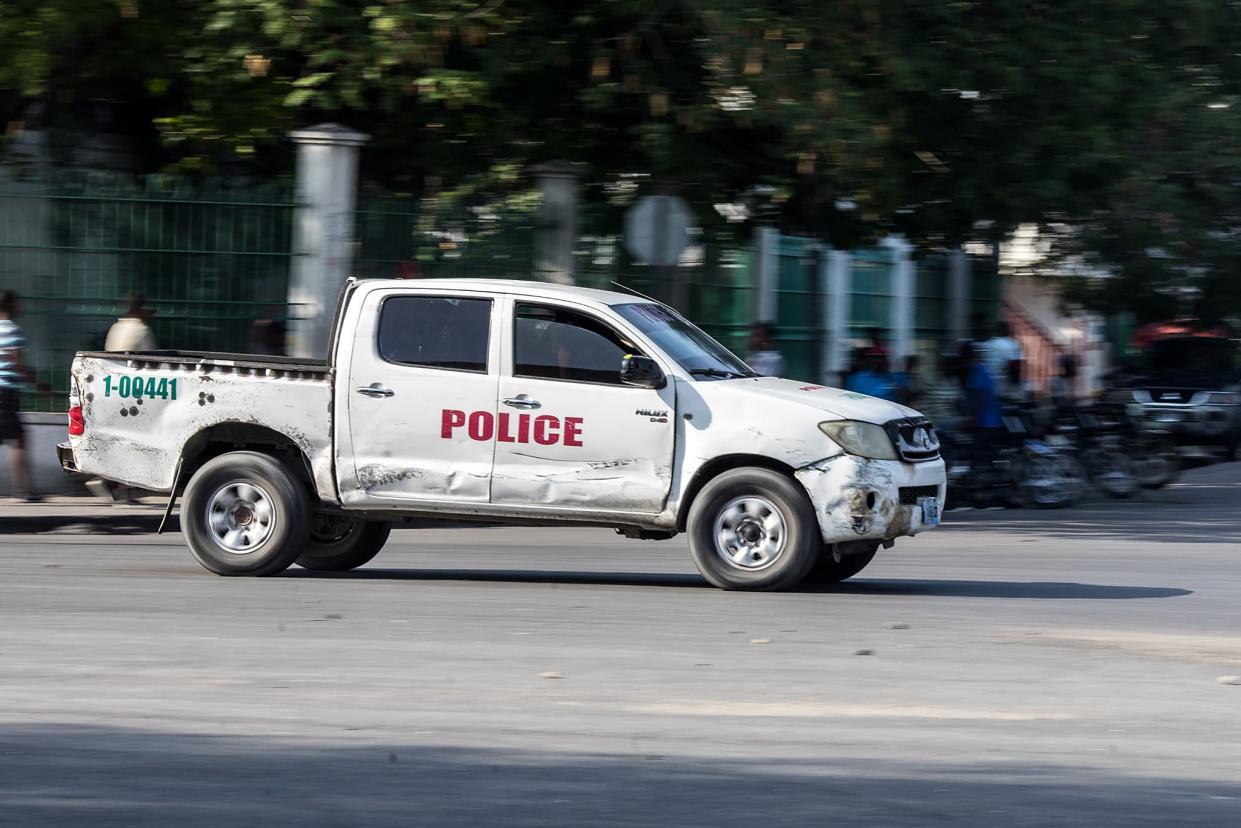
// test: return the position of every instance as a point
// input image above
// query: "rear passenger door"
(420, 398)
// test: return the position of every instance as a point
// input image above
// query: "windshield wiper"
(719, 372)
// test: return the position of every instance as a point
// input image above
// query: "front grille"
(915, 439)
(910, 494)
(1170, 395)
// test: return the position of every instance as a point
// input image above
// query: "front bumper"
(859, 499)
(1211, 424)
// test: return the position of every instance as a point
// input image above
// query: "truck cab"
(520, 402)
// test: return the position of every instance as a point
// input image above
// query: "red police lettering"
(541, 425)
(450, 420)
(572, 431)
(503, 434)
(482, 426)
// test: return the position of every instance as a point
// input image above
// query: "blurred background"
(850, 172)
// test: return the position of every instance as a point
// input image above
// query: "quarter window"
(435, 332)
(556, 343)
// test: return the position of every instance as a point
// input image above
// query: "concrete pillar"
(327, 188)
(765, 307)
(839, 297)
(557, 230)
(902, 309)
(959, 295)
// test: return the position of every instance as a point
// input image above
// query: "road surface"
(1016, 668)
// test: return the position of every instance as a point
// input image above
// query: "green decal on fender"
(126, 387)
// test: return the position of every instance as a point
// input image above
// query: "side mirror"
(641, 371)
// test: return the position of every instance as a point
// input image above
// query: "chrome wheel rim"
(240, 516)
(750, 533)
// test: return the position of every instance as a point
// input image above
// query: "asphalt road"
(1011, 669)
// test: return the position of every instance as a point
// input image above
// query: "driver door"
(568, 433)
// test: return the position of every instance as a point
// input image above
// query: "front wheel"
(753, 528)
(245, 513)
(339, 543)
(841, 561)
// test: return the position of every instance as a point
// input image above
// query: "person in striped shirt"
(12, 374)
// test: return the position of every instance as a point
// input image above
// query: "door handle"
(522, 401)
(375, 390)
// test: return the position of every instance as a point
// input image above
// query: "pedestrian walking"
(131, 332)
(765, 357)
(1003, 359)
(873, 377)
(13, 373)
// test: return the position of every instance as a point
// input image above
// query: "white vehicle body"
(379, 437)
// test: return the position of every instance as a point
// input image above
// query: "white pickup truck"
(510, 402)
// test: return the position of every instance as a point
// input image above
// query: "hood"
(846, 405)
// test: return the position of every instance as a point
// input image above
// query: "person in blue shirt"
(981, 395)
(872, 377)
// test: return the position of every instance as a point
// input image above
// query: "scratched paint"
(141, 443)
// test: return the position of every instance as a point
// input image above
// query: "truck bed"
(142, 409)
(215, 359)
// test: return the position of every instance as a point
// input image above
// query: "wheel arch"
(222, 438)
(716, 466)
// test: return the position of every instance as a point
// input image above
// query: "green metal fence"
(986, 290)
(800, 307)
(870, 302)
(931, 312)
(210, 258)
(397, 236)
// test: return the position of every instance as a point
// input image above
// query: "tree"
(945, 121)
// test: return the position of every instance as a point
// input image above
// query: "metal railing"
(209, 258)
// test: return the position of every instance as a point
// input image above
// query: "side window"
(435, 332)
(555, 343)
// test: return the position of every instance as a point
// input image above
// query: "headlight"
(1223, 398)
(862, 439)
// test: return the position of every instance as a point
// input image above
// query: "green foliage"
(948, 121)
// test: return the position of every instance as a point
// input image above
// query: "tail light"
(77, 423)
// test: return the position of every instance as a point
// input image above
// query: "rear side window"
(435, 332)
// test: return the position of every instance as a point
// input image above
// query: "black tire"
(337, 544)
(827, 570)
(1112, 472)
(280, 496)
(794, 542)
(1048, 481)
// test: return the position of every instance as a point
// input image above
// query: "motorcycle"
(1102, 437)
(1013, 467)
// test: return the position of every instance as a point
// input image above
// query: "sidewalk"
(83, 515)
(72, 515)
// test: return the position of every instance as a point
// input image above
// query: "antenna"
(631, 290)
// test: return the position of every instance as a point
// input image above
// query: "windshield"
(693, 349)
(1190, 355)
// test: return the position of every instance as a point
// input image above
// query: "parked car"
(516, 402)
(1188, 386)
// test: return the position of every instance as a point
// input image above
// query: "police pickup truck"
(514, 403)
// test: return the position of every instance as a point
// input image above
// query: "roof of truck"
(548, 290)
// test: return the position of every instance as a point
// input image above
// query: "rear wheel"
(338, 543)
(245, 513)
(1048, 481)
(840, 561)
(1113, 472)
(753, 528)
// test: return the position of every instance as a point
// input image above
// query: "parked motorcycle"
(1013, 467)
(1102, 437)
(1157, 460)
